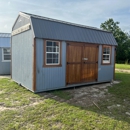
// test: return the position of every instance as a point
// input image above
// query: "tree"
(122, 38)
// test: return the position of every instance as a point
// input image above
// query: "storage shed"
(50, 54)
(5, 53)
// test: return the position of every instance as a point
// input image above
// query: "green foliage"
(122, 38)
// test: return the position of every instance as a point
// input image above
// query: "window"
(52, 53)
(106, 55)
(6, 54)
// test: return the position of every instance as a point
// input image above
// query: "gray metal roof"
(60, 30)
(50, 19)
(5, 34)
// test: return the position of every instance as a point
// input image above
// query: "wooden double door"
(82, 63)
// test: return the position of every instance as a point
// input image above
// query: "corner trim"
(34, 65)
(114, 63)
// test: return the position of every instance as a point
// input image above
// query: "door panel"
(74, 62)
(89, 67)
(74, 73)
(82, 63)
(88, 72)
(90, 53)
(74, 53)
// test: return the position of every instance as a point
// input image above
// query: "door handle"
(84, 58)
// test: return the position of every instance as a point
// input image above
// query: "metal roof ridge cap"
(24, 15)
(69, 23)
(4, 33)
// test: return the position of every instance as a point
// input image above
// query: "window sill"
(52, 65)
(106, 64)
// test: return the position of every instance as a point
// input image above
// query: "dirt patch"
(1, 92)
(2, 107)
(87, 95)
(6, 108)
(122, 70)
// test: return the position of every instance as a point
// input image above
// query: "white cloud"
(5, 26)
(9, 3)
(87, 12)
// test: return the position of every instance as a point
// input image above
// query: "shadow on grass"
(117, 106)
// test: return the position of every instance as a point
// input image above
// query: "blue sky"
(86, 12)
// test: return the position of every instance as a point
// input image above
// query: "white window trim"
(106, 61)
(3, 54)
(53, 53)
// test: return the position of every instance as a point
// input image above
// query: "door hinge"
(68, 63)
(97, 62)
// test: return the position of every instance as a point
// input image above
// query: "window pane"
(55, 56)
(49, 49)
(56, 44)
(49, 56)
(107, 56)
(104, 56)
(7, 57)
(108, 51)
(54, 49)
(55, 60)
(104, 50)
(57, 49)
(49, 61)
(6, 51)
(49, 43)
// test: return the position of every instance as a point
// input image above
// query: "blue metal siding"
(48, 78)
(4, 66)
(22, 58)
(5, 42)
(21, 21)
(5, 35)
(105, 72)
(66, 32)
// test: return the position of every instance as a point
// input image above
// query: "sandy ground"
(89, 95)
(121, 70)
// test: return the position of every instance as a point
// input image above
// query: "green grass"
(62, 94)
(28, 111)
(121, 90)
(14, 95)
(120, 96)
(122, 66)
